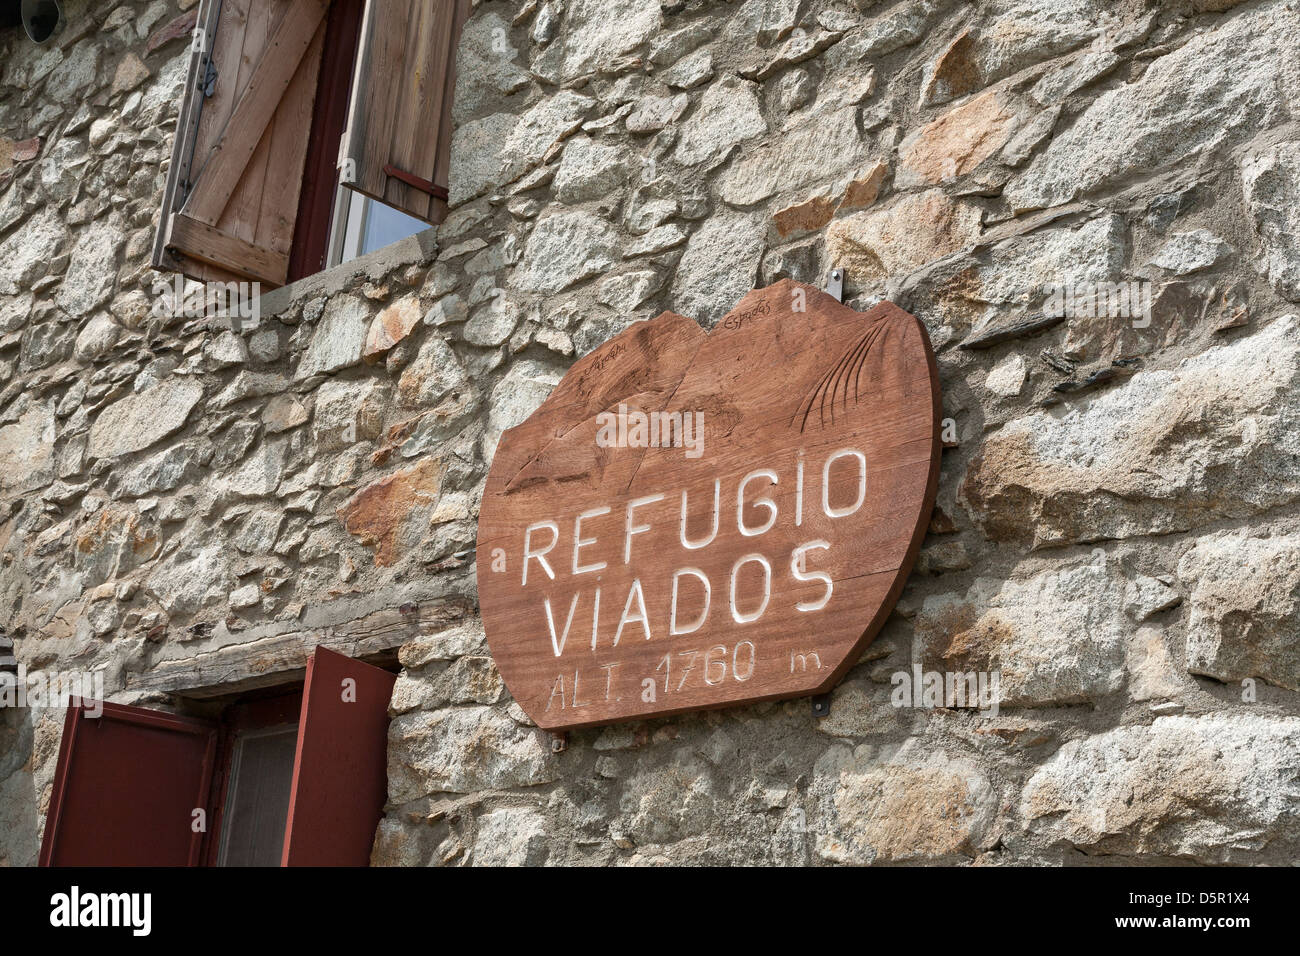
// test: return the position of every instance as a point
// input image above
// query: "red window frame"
(280, 706)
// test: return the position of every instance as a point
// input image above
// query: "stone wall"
(190, 508)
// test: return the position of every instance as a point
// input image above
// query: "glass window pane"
(385, 225)
(257, 799)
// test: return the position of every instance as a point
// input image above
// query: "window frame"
(318, 203)
(249, 714)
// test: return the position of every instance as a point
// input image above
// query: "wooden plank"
(280, 658)
(409, 145)
(232, 27)
(287, 142)
(379, 76)
(753, 562)
(187, 127)
(208, 244)
(271, 77)
(239, 215)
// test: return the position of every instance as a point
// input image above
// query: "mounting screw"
(835, 284)
(821, 705)
(559, 743)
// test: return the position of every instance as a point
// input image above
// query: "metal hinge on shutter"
(209, 82)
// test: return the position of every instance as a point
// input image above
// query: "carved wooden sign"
(698, 519)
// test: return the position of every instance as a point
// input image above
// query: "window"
(283, 778)
(254, 779)
(307, 124)
(367, 224)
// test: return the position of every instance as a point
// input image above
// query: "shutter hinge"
(209, 84)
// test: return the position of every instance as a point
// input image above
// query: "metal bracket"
(209, 79)
(821, 705)
(559, 742)
(835, 284)
(415, 182)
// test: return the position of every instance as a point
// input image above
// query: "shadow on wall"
(20, 842)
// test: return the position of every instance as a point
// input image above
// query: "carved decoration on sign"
(692, 520)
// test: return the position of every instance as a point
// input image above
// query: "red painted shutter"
(126, 787)
(340, 772)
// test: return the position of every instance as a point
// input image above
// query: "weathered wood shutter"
(232, 192)
(126, 787)
(397, 147)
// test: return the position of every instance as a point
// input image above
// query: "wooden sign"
(698, 519)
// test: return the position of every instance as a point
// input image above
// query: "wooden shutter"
(340, 771)
(397, 147)
(126, 787)
(237, 162)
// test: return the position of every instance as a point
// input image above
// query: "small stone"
(1188, 252)
(337, 340)
(98, 337)
(1272, 187)
(625, 292)
(588, 170)
(794, 90)
(137, 421)
(391, 514)
(807, 216)
(719, 266)
(690, 72)
(131, 72)
(391, 326)
(1007, 378)
(283, 412)
(727, 115)
(807, 155)
(653, 113)
(955, 73)
(914, 230)
(511, 837)
(864, 190)
(955, 143)
(1242, 605)
(493, 324)
(245, 597)
(563, 249)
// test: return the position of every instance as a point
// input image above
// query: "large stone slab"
(1214, 90)
(1243, 608)
(137, 421)
(915, 807)
(1219, 788)
(1053, 637)
(1217, 436)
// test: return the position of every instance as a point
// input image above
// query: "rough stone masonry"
(184, 507)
